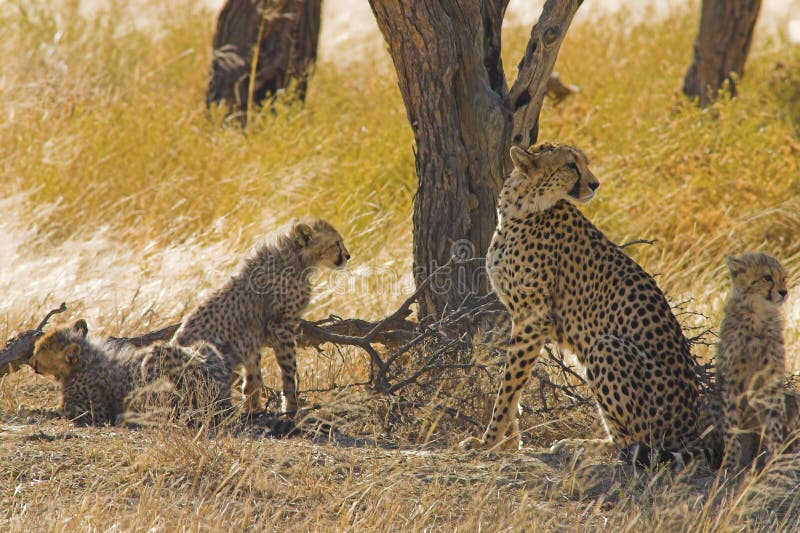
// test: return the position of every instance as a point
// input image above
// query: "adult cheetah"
(261, 306)
(751, 360)
(98, 380)
(563, 280)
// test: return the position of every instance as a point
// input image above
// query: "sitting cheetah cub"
(98, 380)
(261, 305)
(750, 358)
(563, 280)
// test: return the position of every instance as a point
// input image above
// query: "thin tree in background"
(464, 118)
(285, 33)
(721, 47)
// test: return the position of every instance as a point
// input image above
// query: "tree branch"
(637, 241)
(19, 349)
(528, 91)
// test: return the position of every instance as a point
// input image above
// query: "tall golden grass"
(122, 195)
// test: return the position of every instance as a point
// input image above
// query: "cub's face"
(56, 353)
(759, 277)
(547, 173)
(321, 244)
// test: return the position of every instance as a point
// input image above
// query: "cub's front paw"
(472, 443)
(564, 445)
(594, 445)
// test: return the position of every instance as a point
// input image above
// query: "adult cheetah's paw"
(472, 443)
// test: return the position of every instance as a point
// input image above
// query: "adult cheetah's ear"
(734, 265)
(522, 159)
(81, 328)
(302, 234)
(71, 353)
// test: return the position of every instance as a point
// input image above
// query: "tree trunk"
(464, 118)
(721, 47)
(285, 32)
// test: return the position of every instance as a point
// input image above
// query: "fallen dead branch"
(409, 360)
(19, 349)
(395, 332)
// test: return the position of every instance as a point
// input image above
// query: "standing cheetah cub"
(98, 380)
(261, 305)
(750, 358)
(562, 279)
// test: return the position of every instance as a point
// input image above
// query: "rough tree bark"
(721, 47)
(285, 32)
(464, 118)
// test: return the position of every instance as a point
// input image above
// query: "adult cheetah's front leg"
(503, 430)
(284, 346)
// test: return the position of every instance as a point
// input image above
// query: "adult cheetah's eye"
(768, 279)
(573, 166)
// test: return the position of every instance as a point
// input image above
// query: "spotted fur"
(94, 384)
(751, 360)
(199, 377)
(563, 280)
(98, 380)
(262, 304)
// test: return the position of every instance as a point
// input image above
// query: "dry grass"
(124, 197)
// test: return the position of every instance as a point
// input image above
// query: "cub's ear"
(302, 234)
(522, 159)
(80, 327)
(734, 265)
(71, 353)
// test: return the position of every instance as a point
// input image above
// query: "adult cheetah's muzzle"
(342, 259)
(575, 191)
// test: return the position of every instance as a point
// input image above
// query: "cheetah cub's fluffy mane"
(751, 360)
(759, 284)
(305, 242)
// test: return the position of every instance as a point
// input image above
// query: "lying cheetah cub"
(94, 384)
(563, 280)
(98, 380)
(261, 305)
(750, 358)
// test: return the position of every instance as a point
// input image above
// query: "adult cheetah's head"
(547, 173)
(758, 277)
(320, 243)
(57, 352)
